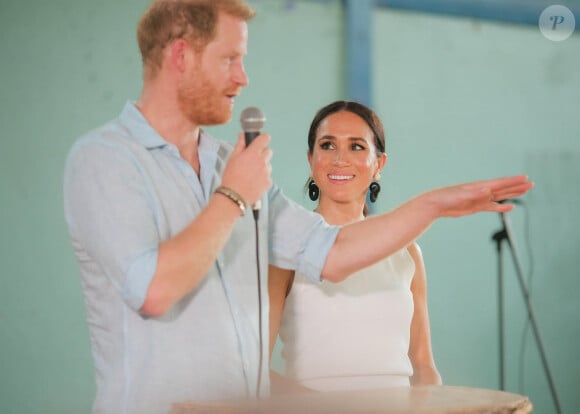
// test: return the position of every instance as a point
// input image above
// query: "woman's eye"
(358, 147)
(326, 145)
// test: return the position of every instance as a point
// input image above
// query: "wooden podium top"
(405, 400)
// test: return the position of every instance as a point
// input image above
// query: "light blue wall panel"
(464, 99)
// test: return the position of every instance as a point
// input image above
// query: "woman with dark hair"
(372, 329)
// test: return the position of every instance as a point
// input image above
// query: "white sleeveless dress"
(353, 334)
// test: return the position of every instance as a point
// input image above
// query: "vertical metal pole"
(359, 17)
(359, 27)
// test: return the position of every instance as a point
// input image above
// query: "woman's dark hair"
(364, 112)
(367, 114)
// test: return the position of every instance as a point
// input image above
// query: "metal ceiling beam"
(510, 11)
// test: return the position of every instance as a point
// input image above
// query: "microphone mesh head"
(252, 119)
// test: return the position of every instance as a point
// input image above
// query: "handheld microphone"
(252, 120)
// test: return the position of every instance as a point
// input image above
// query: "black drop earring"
(374, 190)
(313, 190)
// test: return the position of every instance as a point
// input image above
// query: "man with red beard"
(155, 210)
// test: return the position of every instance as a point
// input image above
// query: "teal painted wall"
(461, 100)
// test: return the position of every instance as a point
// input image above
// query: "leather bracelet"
(232, 195)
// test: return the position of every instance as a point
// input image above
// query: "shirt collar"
(139, 128)
(145, 134)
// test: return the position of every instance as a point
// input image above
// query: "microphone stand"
(505, 234)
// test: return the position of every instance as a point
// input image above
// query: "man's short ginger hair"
(193, 20)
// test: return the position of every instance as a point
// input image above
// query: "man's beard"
(202, 104)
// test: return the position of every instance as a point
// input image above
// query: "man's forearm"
(363, 243)
(184, 259)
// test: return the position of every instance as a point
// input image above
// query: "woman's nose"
(340, 157)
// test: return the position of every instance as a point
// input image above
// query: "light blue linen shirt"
(126, 190)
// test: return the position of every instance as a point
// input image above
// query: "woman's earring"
(374, 190)
(313, 190)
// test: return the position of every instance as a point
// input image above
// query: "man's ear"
(179, 54)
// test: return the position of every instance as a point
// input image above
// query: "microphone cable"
(256, 213)
(252, 120)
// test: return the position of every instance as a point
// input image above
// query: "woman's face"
(344, 160)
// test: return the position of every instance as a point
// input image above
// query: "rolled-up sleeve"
(111, 220)
(298, 239)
